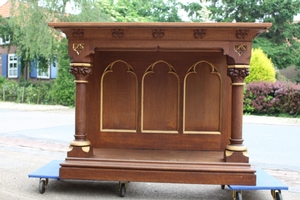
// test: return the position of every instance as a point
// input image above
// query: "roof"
(5, 9)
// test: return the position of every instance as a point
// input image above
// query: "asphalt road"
(30, 139)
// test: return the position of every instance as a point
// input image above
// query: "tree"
(29, 31)
(141, 10)
(197, 11)
(64, 87)
(281, 43)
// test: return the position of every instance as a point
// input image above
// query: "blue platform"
(50, 170)
(264, 181)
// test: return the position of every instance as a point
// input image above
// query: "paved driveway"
(29, 139)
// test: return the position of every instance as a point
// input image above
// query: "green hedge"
(32, 93)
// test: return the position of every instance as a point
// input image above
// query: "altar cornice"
(233, 39)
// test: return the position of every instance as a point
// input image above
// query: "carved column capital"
(238, 74)
(81, 71)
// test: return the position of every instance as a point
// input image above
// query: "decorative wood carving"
(199, 33)
(78, 47)
(241, 34)
(158, 33)
(78, 33)
(240, 49)
(81, 72)
(238, 75)
(117, 33)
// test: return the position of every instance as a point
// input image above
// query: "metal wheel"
(238, 195)
(42, 186)
(122, 190)
(278, 196)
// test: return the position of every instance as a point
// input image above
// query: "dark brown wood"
(163, 102)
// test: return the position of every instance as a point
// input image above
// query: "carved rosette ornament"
(238, 75)
(241, 34)
(199, 33)
(117, 33)
(81, 72)
(78, 33)
(158, 33)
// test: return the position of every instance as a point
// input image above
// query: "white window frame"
(12, 66)
(42, 74)
(5, 40)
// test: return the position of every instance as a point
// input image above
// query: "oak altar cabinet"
(159, 102)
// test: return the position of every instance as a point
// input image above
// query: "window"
(5, 39)
(12, 66)
(43, 73)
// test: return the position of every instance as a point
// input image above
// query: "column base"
(234, 153)
(80, 149)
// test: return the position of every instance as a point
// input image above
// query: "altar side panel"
(119, 98)
(202, 100)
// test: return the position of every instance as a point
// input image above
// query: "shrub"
(64, 87)
(272, 98)
(261, 68)
(9, 91)
(21, 92)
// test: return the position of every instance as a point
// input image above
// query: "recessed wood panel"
(118, 98)
(202, 99)
(160, 99)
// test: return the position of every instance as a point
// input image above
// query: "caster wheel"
(239, 196)
(122, 190)
(222, 187)
(278, 196)
(42, 186)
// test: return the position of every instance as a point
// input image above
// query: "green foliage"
(266, 98)
(281, 43)
(141, 10)
(261, 68)
(28, 27)
(64, 87)
(29, 92)
(248, 108)
(2, 80)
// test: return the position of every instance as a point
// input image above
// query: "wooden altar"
(159, 102)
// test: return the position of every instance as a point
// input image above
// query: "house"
(10, 65)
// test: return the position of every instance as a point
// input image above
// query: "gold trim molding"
(203, 132)
(238, 66)
(236, 148)
(80, 81)
(238, 84)
(81, 64)
(118, 130)
(80, 143)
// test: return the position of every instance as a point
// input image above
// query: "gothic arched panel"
(160, 99)
(118, 98)
(202, 100)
